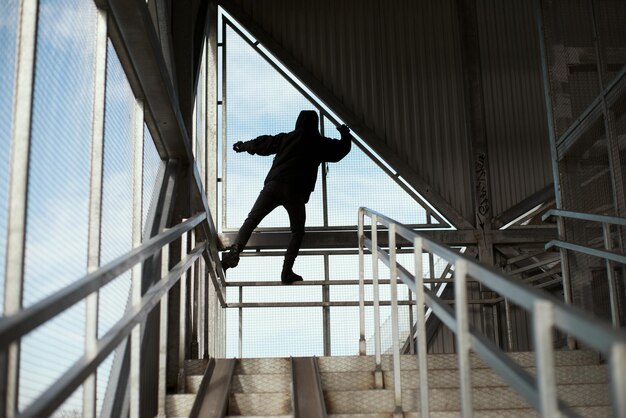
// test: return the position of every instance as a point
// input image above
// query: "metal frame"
(608, 255)
(546, 313)
(324, 114)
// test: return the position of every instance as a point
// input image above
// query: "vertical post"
(411, 321)
(463, 341)
(610, 275)
(395, 337)
(618, 379)
(182, 323)
(18, 184)
(508, 324)
(378, 371)
(135, 345)
(240, 322)
(95, 206)
(545, 72)
(165, 252)
(362, 345)
(193, 300)
(543, 319)
(224, 126)
(422, 359)
(325, 288)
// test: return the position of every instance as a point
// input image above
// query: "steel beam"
(348, 239)
(136, 42)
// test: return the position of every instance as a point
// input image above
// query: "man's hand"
(343, 129)
(239, 147)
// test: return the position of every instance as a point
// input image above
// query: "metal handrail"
(608, 255)
(613, 220)
(15, 326)
(546, 311)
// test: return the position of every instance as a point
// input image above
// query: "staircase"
(263, 387)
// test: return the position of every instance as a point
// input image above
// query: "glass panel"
(8, 29)
(117, 188)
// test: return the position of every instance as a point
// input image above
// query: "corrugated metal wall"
(515, 116)
(397, 68)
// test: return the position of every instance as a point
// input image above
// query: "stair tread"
(445, 399)
(593, 411)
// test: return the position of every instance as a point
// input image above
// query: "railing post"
(95, 206)
(165, 260)
(463, 342)
(422, 359)
(378, 371)
(26, 44)
(362, 344)
(610, 275)
(543, 320)
(182, 324)
(395, 337)
(617, 363)
(135, 344)
(240, 331)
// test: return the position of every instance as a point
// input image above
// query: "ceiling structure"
(450, 116)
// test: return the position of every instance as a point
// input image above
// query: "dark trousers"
(276, 194)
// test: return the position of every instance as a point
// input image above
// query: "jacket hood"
(307, 120)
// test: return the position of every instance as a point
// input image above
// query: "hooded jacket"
(299, 153)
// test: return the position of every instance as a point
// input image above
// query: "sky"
(259, 102)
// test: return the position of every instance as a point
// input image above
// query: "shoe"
(289, 277)
(230, 259)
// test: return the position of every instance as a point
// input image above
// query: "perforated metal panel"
(151, 165)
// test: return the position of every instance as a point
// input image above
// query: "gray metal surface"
(214, 391)
(308, 398)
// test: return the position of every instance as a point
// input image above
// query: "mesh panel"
(260, 102)
(104, 372)
(612, 34)
(571, 58)
(58, 188)
(48, 352)
(117, 189)
(586, 187)
(72, 407)
(8, 28)
(151, 165)
(376, 190)
(282, 332)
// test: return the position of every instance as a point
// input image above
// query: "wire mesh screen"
(259, 102)
(58, 188)
(572, 59)
(117, 187)
(611, 36)
(376, 190)
(151, 166)
(8, 29)
(586, 187)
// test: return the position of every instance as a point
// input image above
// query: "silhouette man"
(289, 182)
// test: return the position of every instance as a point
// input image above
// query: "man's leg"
(297, 218)
(265, 203)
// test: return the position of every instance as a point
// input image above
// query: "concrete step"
(260, 404)
(250, 383)
(263, 366)
(488, 398)
(591, 412)
(448, 361)
(179, 405)
(487, 377)
(348, 381)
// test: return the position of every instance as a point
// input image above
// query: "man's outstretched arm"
(334, 150)
(262, 145)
